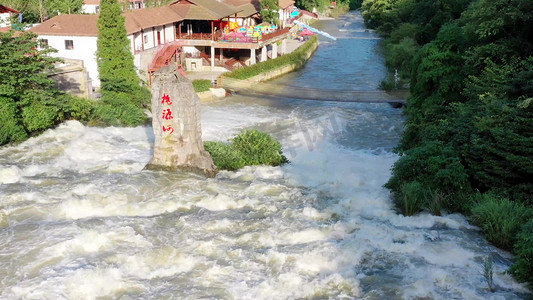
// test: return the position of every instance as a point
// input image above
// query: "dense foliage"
(269, 11)
(297, 57)
(469, 126)
(322, 5)
(250, 148)
(123, 98)
(29, 101)
(35, 11)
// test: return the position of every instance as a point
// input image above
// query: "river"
(80, 219)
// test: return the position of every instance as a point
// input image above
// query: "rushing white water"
(80, 219)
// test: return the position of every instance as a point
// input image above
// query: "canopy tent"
(306, 31)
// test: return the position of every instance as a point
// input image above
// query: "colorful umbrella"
(306, 32)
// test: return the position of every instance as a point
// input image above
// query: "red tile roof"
(4, 9)
(69, 25)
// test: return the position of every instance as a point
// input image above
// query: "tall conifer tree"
(115, 61)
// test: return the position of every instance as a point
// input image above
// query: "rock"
(176, 124)
(218, 92)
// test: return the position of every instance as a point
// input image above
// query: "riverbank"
(297, 54)
(264, 71)
(467, 141)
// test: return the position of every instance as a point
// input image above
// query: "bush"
(249, 148)
(258, 148)
(11, 128)
(117, 109)
(436, 167)
(201, 85)
(523, 268)
(500, 219)
(80, 109)
(412, 199)
(297, 57)
(224, 155)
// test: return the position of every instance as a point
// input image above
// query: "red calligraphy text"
(167, 114)
(166, 99)
(168, 128)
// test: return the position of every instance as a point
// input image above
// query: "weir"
(284, 91)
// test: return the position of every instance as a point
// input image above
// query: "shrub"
(412, 199)
(224, 155)
(11, 128)
(117, 109)
(80, 109)
(436, 167)
(523, 268)
(201, 85)
(249, 148)
(500, 219)
(258, 148)
(38, 116)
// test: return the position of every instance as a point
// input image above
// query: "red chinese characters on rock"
(167, 113)
(168, 128)
(166, 99)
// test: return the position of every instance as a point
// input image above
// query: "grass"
(297, 57)
(201, 85)
(500, 219)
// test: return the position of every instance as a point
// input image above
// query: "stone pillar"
(283, 47)
(212, 58)
(264, 53)
(176, 124)
(275, 50)
(252, 56)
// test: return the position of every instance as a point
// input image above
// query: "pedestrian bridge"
(283, 91)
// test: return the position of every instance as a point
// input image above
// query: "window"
(146, 39)
(43, 43)
(69, 44)
(97, 9)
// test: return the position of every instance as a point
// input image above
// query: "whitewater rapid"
(81, 219)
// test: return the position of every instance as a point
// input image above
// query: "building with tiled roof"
(196, 24)
(6, 13)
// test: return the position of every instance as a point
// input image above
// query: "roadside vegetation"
(297, 57)
(468, 140)
(249, 148)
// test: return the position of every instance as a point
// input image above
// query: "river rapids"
(81, 219)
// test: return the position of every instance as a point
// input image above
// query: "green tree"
(269, 11)
(64, 6)
(123, 98)
(35, 11)
(29, 100)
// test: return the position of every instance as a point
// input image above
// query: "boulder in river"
(176, 123)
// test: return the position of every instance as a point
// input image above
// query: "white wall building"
(75, 36)
(6, 13)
